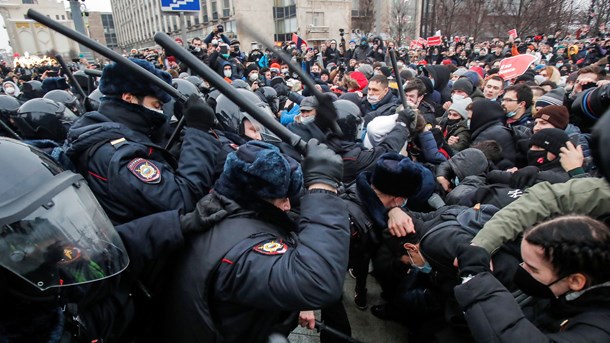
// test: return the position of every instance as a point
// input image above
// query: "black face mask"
(453, 121)
(532, 287)
(536, 158)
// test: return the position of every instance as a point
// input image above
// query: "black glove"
(326, 114)
(208, 212)
(198, 114)
(524, 177)
(472, 260)
(321, 165)
(409, 117)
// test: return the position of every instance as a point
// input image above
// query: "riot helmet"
(269, 95)
(66, 98)
(349, 119)
(231, 117)
(82, 79)
(53, 232)
(185, 87)
(43, 119)
(32, 89)
(95, 98)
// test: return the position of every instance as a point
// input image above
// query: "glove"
(208, 212)
(326, 114)
(524, 177)
(321, 165)
(409, 117)
(472, 260)
(198, 114)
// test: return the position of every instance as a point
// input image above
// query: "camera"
(220, 28)
(341, 32)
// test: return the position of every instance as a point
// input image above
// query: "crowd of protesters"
(470, 170)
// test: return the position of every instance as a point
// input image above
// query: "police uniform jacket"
(132, 176)
(234, 282)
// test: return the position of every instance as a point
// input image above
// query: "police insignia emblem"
(271, 248)
(145, 170)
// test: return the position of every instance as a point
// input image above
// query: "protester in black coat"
(486, 124)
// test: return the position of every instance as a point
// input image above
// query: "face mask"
(457, 97)
(214, 42)
(376, 72)
(453, 121)
(10, 90)
(227, 73)
(363, 44)
(253, 77)
(559, 65)
(536, 158)
(476, 51)
(532, 287)
(284, 71)
(197, 49)
(226, 56)
(372, 99)
(426, 268)
(307, 120)
(511, 114)
(158, 111)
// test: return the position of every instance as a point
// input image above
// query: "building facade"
(28, 36)
(136, 21)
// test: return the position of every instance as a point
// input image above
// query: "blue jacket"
(131, 175)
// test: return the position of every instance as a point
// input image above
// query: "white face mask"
(9, 90)
(253, 77)
(227, 73)
(457, 97)
(284, 71)
(307, 120)
(372, 99)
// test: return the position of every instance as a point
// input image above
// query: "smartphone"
(224, 49)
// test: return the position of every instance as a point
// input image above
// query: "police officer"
(117, 148)
(237, 281)
(63, 266)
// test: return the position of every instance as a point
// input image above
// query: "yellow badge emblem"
(271, 248)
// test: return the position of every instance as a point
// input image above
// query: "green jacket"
(589, 196)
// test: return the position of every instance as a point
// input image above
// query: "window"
(56, 17)
(29, 2)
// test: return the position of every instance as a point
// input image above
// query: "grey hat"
(460, 72)
(464, 85)
(366, 69)
(309, 103)
(460, 107)
(554, 97)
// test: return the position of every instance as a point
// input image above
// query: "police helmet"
(270, 97)
(43, 119)
(66, 98)
(95, 99)
(8, 106)
(185, 87)
(32, 89)
(53, 232)
(82, 79)
(230, 116)
(349, 119)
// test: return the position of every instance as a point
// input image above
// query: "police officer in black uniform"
(237, 281)
(118, 148)
(66, 274)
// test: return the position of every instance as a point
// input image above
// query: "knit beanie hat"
(556, 115)
(366, 69)
(550, 140)
(397, 175)
(460, 107)
(260, 170)
(250, 68)
(554, 97)
(463, 84)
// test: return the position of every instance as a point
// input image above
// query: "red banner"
(515, 66)
(436, 40)
(513, 33)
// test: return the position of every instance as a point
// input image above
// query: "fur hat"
(397, 175)
(52, 83)
(550, 140)
(556, 115)
(259, 169)
(554, 97)
(464, 85)
(116, 80)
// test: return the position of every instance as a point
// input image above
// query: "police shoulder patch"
(145, 170)
(272, 247)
